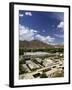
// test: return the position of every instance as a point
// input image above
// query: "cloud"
(40, 37)
(60, 25)
(59, 36)
(45, 39)
(32, 30)
(26, 34)
(21, 15)
(28, 13)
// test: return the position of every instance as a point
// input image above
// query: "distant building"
(32, 65)
(47, 63)
(35, 54)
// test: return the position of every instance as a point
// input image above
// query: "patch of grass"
(50, 50)
(59, 74)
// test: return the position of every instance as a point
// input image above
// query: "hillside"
(33, 44)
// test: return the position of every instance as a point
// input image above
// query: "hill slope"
(33, 44)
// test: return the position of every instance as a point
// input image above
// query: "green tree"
(43, 75)
(22, 70)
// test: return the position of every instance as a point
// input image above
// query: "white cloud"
(59, 36)
(32, 30)
(30, 34)
(50, 39)
(45, 39)
(21, 15)
(28, 13)
(60, 25)
(26, 34)
(40, 37)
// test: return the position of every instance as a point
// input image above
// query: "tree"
(22, 70)
(43, 75)
(21, 51)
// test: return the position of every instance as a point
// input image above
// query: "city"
(41, 65)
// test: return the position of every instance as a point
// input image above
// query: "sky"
(47, 27)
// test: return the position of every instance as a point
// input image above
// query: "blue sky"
(47, 27)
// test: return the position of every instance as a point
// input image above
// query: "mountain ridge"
(37, 44)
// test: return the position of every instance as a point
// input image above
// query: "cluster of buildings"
(37, 66)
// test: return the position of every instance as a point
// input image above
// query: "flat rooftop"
(35, 53)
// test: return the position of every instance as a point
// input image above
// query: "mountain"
(37, 44)
(33, 44)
